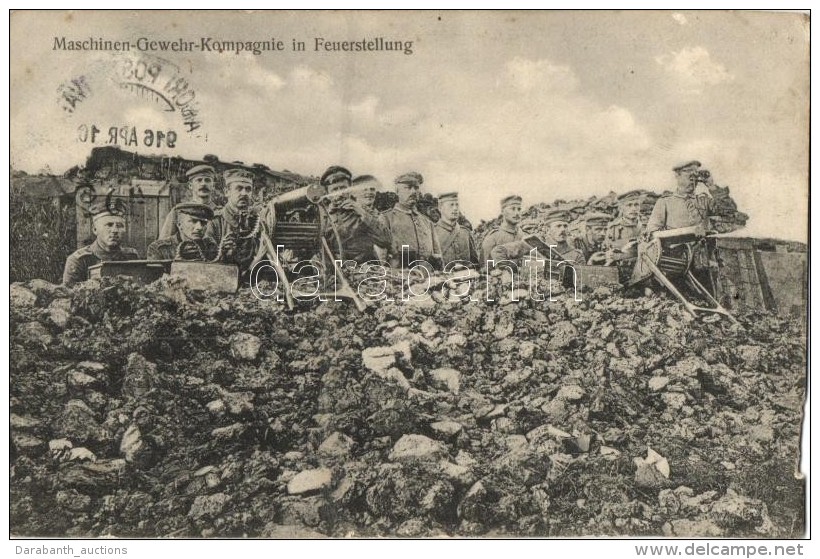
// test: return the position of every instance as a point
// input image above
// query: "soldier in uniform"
(508, 230)
(557, 223)
(108, 224)
(591, 243)
(201, 181)
(409, 227)
(456, 241)
(684, 208)
(359, 226)
(235, 227)
(627, 227)
(190, 241)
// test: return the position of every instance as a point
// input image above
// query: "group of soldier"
(197, 230)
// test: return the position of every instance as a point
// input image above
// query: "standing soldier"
(508, 230)
(591, 242)
(359, 227)
(684, 208)
(201, 181)
(456, 241)
(409, 227)
(190, 241)
(108, 224)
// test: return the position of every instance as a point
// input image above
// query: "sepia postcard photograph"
(408, 274)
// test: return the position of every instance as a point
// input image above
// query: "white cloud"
(694, 68)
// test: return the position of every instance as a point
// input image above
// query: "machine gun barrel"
(315, 193)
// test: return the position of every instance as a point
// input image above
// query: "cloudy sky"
(547, 105)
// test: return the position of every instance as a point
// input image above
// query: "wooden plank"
(152, 222)
(787, 280)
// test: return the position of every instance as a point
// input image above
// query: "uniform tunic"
(241, 225)
(359, 234)
(411, 228)
(204, 249)
(456, 243)
(500, 235)
(78, 263)
(684, 210)
(620, 231)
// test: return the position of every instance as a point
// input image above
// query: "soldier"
(190, 241)
(557, 223)
(591, 243)
(625, 228)
(367, 195)
(359, 226)
(108, 224)
(508, 230)
(456, 241)
(235, 227)
(201, 181)
(409, 227)
(684, 208)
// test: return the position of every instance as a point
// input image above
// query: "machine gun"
(305, 240)
(667, 256)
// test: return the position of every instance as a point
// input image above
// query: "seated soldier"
(190, 241)
(108, 224)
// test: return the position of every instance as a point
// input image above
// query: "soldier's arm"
(379, 232)
(657, 220)
(154, 252)
(74, 271)
(720, 203)
(487, 246)
(510, 251)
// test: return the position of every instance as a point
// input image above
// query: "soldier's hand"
(350, 205)
(229, 244)
(189, 251)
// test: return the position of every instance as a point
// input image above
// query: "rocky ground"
(156, 412)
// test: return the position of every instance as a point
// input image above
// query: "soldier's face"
(558, 230)
(686, 182)
(449, 210)
(408, 194)
(239, 195)
(192, 227)
(366, 197)
(596, 233)
(110, 231)
(511, 213)
(202, 185)
(631, 209)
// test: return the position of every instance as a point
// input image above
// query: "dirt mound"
(152, 412)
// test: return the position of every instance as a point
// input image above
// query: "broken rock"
(245, 347)
(412, 448)
(310, 481)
